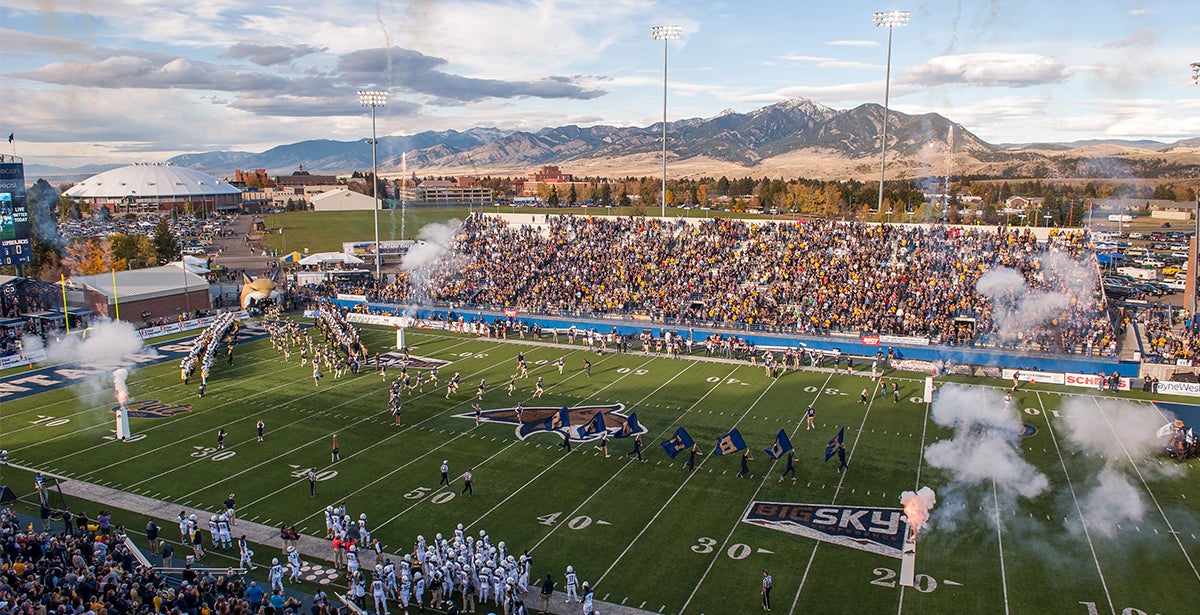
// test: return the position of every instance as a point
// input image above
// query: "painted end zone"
(1190, 413)
(866, 528)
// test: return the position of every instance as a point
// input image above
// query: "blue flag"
(835, 443)
(678, 443)
(729, 443)
(781, 447)
(629, 427)
(558, 420)
(596, 425)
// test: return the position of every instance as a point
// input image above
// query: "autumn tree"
(91, 256)
(136, 250)
(166, 247)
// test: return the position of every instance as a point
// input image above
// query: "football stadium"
(639, 414)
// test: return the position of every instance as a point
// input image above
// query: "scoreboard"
(14, 215)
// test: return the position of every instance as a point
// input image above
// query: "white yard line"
(516, 442)
(1000, 543)
(678, 490)
(74, 400)
(836, 491)
(561, 458)
(157, 425)
(1136, 469)
(1078, 510)
(917, 484)
(384, 477)
(629, 461)
(141, 384)
(303, 418)
(383, 441)
(89, 410)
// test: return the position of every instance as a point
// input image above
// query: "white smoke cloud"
(1077, 279)
(1112, 428)
(982, 452)
(1113, 500)
(104, 346)
(1016, 308)
(103, 342)
(435, 243)
(1121, 432)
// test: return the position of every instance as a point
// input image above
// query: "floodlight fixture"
(891, 18)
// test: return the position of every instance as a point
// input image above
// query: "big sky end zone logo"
(153, 409)
(581, 421)
(867, 528)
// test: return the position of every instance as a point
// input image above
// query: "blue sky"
(142, 80)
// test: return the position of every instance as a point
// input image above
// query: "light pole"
(890, 19)
(1192, 254)
(374, 99)
(664, 34)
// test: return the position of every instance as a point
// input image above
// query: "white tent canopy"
(192, 264)
(331, 257)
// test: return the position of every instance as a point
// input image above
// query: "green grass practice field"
(649, 534)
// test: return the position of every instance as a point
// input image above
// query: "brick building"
(144, 294)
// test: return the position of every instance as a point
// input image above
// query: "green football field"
(650, 534)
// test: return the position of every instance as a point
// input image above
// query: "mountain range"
(797, 137)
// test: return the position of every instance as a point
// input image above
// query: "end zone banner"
(1092, 381)
(1032, 376)
(867, 528)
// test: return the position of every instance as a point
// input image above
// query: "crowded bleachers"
(1163, 341)
(811, 276)
(89, 568)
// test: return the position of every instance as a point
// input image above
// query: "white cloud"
(1139, 37)
(824, 62)
(987, 69)
(1139, 12)
(854, 43)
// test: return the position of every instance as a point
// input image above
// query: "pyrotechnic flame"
(917, 506)
(122, 392)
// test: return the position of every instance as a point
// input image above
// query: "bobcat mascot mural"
(256, 291)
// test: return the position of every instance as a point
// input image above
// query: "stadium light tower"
(664, 34)
(374, 99)
(1193, 258)
(891, 19)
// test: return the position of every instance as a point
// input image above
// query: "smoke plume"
(103, 342)
(1119, 432)
(435, 241)
(1111, 501)
(1016, 308)
(983, 450)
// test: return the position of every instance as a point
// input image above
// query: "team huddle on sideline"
(458, 567)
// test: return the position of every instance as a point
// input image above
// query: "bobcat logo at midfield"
(153, 409)
(540, 419)
(396, 359)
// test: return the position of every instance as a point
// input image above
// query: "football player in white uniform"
(223, 534)
(246, 554)
(572, 582)
(293, 559)
(276, 574)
